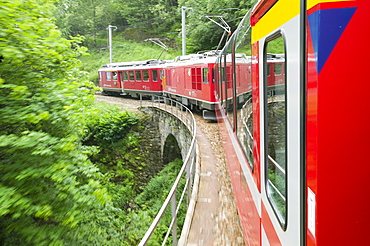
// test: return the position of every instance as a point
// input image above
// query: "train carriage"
(190, 80)
(290, 95)
(109, 81)
(132, 78)
(296, 148)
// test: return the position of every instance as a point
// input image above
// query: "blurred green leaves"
(47, 183)
(68, 167)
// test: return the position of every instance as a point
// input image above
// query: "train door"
(277, 32)
(122, 79)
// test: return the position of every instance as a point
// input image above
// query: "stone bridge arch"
(171, 150)
(173, 134)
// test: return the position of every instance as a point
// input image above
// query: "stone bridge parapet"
(177, 133)
(169, 125)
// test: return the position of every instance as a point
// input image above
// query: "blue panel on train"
(326, 27)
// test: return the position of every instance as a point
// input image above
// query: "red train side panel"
(132, 78)
(338, 119)
(109, 80)
(190, 79)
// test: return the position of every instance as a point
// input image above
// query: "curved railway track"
(227, 229)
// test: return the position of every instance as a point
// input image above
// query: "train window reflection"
(125, 77)
(109, 76)
(205, 75)
(155, 75)
(275, 127)
(243, 77)
(277, 69)
(138, 75)
(196, 78)
(146, 75)
(132, 76)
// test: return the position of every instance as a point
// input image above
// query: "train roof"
(275, 57)
(199, 58)
(132, 64)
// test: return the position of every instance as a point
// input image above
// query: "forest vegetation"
(137, 21)
(57, 184)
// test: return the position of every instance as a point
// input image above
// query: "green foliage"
(58, 185)
(116, 155)
(276, 46)
(140, 20)
(48, 187)
(88, 18)
(108, 125)
(150, 18)
(123, 50)
(151, 200)
(122, 175)
(203, 34)
(149, 15)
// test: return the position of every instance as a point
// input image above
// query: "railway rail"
(226, 229)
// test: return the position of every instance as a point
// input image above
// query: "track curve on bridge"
(215, 219)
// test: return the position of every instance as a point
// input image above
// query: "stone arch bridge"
(177, 137)
(170, 132)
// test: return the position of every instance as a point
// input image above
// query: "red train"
(132, 78)
(289, 91)
(190, 79)
(297, 147)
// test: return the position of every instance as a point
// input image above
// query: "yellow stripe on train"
(280, 13)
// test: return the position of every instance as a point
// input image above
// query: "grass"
(124, 52)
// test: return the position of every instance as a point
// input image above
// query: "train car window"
(216, 79)
(205, 76)
(138, 75)
(229, 85)
(276, 129)
(114, 75)
(243, 76)
(131, 75)
(213, 75)
(146, 75)
(125, 77)
(229, 77)
(277, 69)
(223, 80)
(109, 75)
(196, 78)
(268, 70)
(221, 71)
(155, 75)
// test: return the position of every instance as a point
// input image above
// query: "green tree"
(203, 34)
(48, 188)
(151, 16)
(89, 18)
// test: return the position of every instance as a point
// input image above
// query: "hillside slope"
(123, 51)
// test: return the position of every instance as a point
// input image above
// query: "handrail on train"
(185, 115)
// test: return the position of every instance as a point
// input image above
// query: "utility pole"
(110, 42)
(183, 16)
